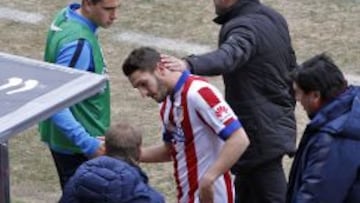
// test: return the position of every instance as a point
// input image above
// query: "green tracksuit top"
(92, 113)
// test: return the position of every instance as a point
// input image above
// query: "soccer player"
(201, 134)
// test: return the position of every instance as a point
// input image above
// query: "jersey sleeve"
(214, 111)
(75, 132)
(76, 54)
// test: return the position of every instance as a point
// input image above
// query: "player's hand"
(101, 138)
(173, 63)
(101, 150)
(206, 191)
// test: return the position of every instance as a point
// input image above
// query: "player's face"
(104, 12)
(149, 85)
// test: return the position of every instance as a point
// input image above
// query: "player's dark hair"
(143, 58)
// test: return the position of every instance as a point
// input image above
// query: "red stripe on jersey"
(176, 173)
(173, 153)
(229, 186)
(177, 179)
(209, 96)
(162, 110)
(190, 153)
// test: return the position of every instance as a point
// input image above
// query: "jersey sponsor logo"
(222, 112)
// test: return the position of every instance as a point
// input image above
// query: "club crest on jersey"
(222, 112)
(175, 133)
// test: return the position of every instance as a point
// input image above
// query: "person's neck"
(81, 12)
(174, 78)
(129, 160)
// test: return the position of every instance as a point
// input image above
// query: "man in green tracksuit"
(74, 134)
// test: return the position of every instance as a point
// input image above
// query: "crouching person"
(115, 177)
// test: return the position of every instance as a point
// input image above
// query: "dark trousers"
(66, 165)
(264, 184)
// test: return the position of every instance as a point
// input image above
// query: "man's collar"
(73, 15)
(184, 76)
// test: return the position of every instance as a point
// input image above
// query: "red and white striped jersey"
(196, 121)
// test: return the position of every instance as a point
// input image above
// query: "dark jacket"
(109, 180)
(255, 57)
(326, 167)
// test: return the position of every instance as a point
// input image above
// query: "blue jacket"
(110, 180)
(326, 167)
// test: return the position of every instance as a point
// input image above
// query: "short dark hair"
(320, 73)
(143, 58)
(123, 141)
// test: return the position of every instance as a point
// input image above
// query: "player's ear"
(315, 96)
(87, 6)
(316, 100)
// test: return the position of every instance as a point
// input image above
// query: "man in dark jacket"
(254, 57)
(114, 178)
(327, 164)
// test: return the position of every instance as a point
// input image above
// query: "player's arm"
(217, 114)
(156, 153)
(76, 54)
(234, 147)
